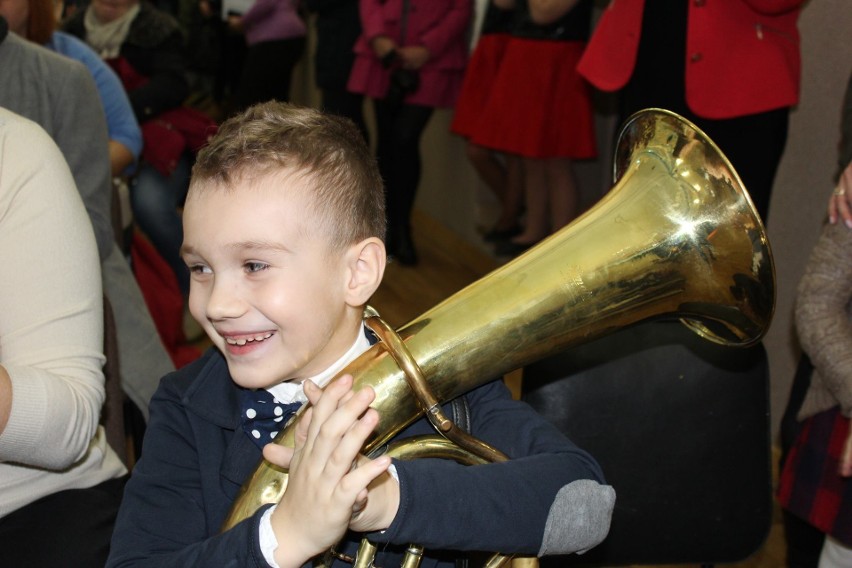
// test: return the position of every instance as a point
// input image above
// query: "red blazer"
(742, 55)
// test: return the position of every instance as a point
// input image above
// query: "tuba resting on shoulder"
(676, 237)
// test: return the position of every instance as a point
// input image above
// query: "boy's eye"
(199, 269)
(256, 266)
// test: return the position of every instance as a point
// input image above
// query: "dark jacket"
(155, 49)
(195, 458)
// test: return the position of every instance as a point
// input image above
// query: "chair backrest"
(112, 415)
(680, 427)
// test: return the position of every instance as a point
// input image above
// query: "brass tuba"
(676, 237)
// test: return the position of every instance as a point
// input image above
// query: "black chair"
(681, 429)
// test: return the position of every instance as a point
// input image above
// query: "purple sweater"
(270, 20)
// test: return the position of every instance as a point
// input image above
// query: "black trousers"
(70, 528)
(268, 71)
(399, 129)
(348, 105)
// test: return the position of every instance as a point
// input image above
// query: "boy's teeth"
(243, 340)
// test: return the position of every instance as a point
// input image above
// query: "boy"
(283, 236)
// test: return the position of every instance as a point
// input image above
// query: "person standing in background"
(501, 172)
(275, 35)
(816, 441)
(541, 110)
(410, 60)
(338, 27)
(732, 68)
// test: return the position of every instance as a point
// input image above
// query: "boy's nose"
(224, 301)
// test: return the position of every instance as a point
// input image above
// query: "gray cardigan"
(823, 317)
(823, 321)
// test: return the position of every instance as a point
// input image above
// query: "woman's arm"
(822, 320)
(51, 331)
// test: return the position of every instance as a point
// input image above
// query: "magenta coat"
(742, 55)
(439, 25)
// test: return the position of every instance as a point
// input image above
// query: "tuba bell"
(676, 237)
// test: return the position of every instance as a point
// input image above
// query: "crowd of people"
(138, 195)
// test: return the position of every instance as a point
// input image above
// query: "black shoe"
(401, 249)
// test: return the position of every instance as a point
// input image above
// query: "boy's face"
(265, 285)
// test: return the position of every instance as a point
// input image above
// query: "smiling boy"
(283, 236)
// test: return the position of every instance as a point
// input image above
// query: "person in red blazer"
(730, 66)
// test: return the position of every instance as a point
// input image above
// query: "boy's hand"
(324, 487)
(377, 512)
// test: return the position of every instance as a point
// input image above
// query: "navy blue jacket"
(195, 458)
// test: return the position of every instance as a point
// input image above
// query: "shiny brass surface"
(676, 237)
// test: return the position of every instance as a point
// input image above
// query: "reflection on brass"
(676, 237)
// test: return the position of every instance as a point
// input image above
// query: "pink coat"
(742, 55)
(439, 25)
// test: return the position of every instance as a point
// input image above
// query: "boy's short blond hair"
(330, 151)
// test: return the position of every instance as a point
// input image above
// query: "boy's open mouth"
(248, 339)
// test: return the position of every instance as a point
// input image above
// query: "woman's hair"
(330, 151)
(42, 21)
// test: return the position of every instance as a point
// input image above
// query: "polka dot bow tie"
(263, 416)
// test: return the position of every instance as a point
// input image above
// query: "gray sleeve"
(81, 134)
(823, 324)
(579, 518)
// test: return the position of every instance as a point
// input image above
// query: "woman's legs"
(504, 178)
(564, 197)
(551, 200)
(537, 224)
(399, 129)
(268, 71)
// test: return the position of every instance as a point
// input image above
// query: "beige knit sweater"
(824, 321)
(51, 324)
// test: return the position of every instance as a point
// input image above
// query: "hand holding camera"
(403, 80)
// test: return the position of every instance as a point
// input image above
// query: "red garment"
(810, 486)
(163, 298)
(168, 134)
(478, 82)
(538, 107)
(440, 26)
(743, 56)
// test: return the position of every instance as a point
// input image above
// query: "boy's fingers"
(346, 452)
(301, 434)
(278, 455)
(358, 479)
(335, 443)
(326, 402)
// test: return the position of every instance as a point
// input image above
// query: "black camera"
(402, 81)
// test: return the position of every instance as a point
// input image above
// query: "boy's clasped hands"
(331, 486)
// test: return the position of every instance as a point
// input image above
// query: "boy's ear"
(367, 260)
